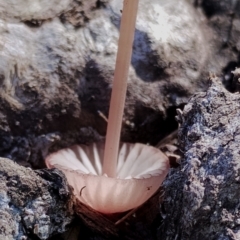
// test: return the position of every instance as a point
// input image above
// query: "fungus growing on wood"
(114, 179)
(139, 173)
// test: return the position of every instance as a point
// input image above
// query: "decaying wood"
(202, 195)
(33, 204)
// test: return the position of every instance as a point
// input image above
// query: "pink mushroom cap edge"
(141, 170)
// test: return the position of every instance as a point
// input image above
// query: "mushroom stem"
(119, 88)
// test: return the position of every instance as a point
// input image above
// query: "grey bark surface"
(223, 17)
(56, 72)
(33, 205)
(202, 195)
(56, 67)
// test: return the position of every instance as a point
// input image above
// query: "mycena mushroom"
(115, 177)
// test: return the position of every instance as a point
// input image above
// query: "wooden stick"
(119, 89)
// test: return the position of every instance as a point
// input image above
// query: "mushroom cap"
(140, 171)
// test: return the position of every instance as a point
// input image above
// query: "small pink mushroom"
(140, 171)
(114, 179)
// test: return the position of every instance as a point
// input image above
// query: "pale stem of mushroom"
(119, 89)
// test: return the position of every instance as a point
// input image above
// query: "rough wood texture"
(33, 205)
(202, 196)
(56, 73)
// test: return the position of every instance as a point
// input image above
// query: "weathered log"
(202, 195)
(33, 204)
